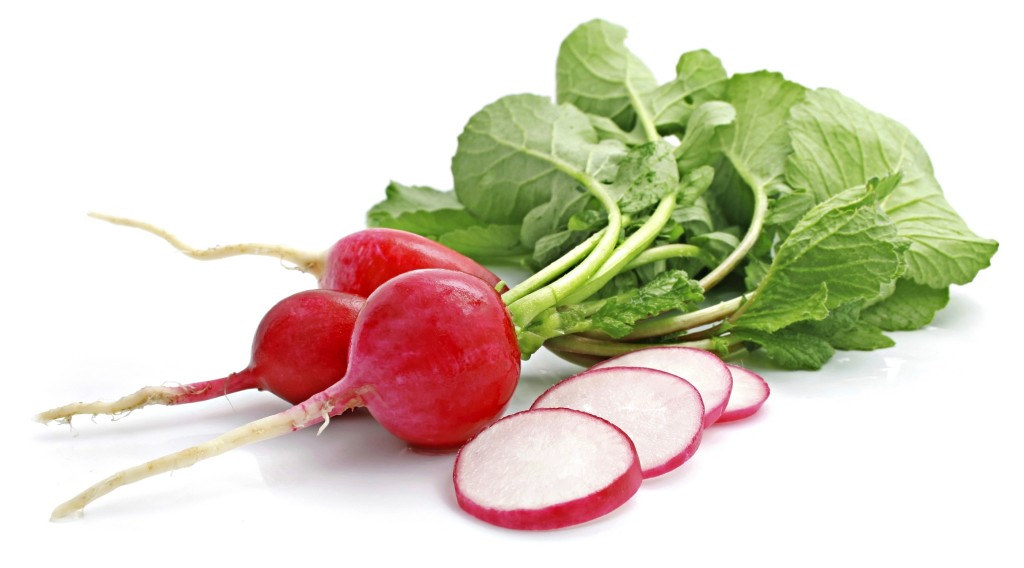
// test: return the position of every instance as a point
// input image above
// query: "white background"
(283, 122)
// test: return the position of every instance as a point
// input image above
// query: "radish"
(749, 391)
(701, 368)
(546, 469)
(300, 348)
(662, 413)
(356, 264)
(433, 358)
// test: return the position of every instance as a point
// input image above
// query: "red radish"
(300, 348)
(663, 414)
(701, 368)
(749, 391)
(434, 358)
(356, 264)
(546, 469)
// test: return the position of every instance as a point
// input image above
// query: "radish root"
(295, 418)
(305, 262)
(142, 397)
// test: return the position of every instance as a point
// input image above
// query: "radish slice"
(701, 368)
(749, 391)
(546, 469)
(663, 414)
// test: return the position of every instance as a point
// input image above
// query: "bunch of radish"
(420, 336)
(586, 444)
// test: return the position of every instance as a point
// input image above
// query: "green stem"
(627, 251)
(601, 348)
(685, 322)
(753, 232)
(664, 252)
(553, 270)
(525, 309)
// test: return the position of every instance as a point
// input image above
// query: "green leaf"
(839, 144)
(596, 73)
(700, 77)
(695, 148)
(843, 250)
(791, 349)
(716, 245)
(844, 329)
(516, 152)
(420, 210)
(607, 130)
(486, 243)
(554, 215)
(755, 146)
(671, 290)
(550, 247)
(646, 174)
(911, 306)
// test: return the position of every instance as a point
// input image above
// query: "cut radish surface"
(546, 469)
(702, 369)
(749, 391)
(661, 413)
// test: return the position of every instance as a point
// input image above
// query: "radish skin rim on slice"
(663, 414)
(546, 469)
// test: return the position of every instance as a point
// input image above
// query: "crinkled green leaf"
(845, 330)
(911, 306)
(597, 73)
(671, 290)
(837, 144)
(845, 247)
(517, 151)
(790, 349)
(646, 174)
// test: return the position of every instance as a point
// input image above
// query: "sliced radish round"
(749, 391)
(662, 413)
(546, 469)
(702, 369)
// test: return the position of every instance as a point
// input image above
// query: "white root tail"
(311, 263)
(295, 418)
(136, 400)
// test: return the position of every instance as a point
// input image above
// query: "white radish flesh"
(702, 369)
(546, 469)
(661, 413)
(749, 391)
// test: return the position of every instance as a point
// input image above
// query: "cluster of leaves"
(819, 223)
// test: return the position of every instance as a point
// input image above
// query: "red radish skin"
(364, 260)
(546, 469)
(434, 359)
(662, 413)
(356, 264)
(749, 392)
(299, 349)
(702, 369)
